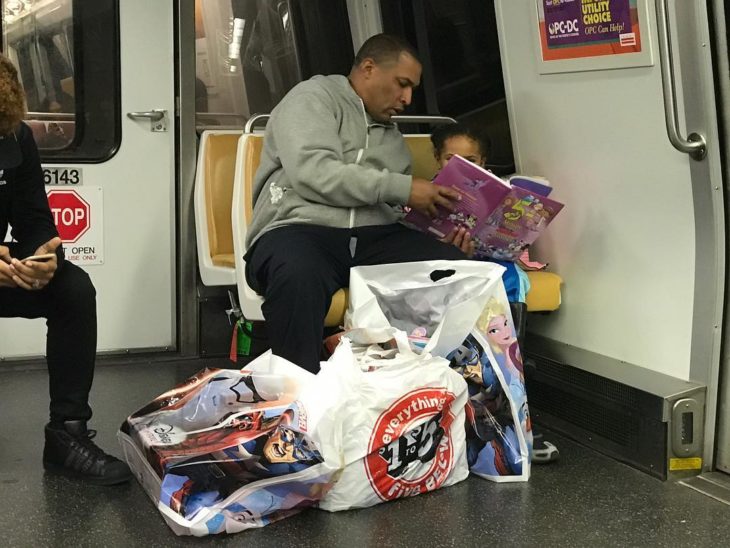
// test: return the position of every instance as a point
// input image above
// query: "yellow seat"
(544, 294)
(422, 159)
(224, 259)
(248, 157)
(213, 195)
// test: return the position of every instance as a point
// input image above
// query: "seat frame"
(249, 301)
(211, 274)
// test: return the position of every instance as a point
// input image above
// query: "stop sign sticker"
(79, 218)
(71, 213)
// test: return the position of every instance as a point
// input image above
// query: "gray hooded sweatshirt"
(326, 162)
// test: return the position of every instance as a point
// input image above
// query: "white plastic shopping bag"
(403, 426)
(458, 310)
(228, 450)
(499, 432)
(437, 301)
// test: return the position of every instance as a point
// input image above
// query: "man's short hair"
(383, 48)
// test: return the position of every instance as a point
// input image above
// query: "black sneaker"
(543, 451)
(69, 451)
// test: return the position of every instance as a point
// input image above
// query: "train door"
(642, 247)
(99, 78)
(722, 48)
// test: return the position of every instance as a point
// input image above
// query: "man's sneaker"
(69, 451)
(543, 451)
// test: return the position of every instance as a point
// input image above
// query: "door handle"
(157, 118)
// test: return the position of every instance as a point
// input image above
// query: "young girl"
(460, 139)
(451, 139)
(468, 143)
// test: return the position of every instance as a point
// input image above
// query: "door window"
(67, 54)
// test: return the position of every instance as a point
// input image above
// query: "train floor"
(583, 499)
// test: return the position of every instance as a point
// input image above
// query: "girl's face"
(463, 146)
(499, 331)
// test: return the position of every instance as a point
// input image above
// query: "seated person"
(329, 192)
(451, 139)
(53, 289)
(460, 139)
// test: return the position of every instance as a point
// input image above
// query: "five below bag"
(403, 425)
(458, 310)
(229, 450)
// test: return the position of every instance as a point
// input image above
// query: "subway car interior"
(146, 116)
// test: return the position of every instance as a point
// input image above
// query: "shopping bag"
(434, 301)
(499, 431)
(458, 310)
(403, 426)
(228, 450)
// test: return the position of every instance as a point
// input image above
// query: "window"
(250, 53)
(67, 54)
(462, 69)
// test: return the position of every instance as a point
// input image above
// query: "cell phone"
(39, 258)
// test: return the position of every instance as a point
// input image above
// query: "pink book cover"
(481, 192)
(502, 219)
(517, 222)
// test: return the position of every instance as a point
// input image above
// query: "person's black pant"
(68, 303)
(298, 268)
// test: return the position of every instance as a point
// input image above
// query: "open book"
(503, 218)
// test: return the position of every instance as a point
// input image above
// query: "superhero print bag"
(229, 450)
(458, 310)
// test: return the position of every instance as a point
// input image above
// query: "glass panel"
(38, 37)
(246, 59)
(68, 110)
(458, 44)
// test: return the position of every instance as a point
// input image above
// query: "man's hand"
(6, 275)
(461, 239)
(35, 275)
(425, 196)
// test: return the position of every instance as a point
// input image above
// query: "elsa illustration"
(495, 323)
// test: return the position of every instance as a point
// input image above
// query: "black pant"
(298, 268)
(68, 302)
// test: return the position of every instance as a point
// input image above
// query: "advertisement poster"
(575, 29)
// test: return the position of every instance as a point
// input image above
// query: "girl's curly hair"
(12, 98)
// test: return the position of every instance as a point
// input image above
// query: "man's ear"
(367, 66)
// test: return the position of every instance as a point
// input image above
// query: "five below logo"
(405, 460)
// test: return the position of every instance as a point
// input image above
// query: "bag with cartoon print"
(458, 310)
(229, 450)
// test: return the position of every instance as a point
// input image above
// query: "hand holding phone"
(39, 258)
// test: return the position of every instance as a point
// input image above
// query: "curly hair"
(12, 98)
(441, 134)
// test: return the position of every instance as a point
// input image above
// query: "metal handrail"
(248, 128)
(51, 116)
(257, 118)
(221, 114)
(436, 120)
(695, 144)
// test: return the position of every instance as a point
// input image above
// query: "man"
(329, 192)
(50, 288)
